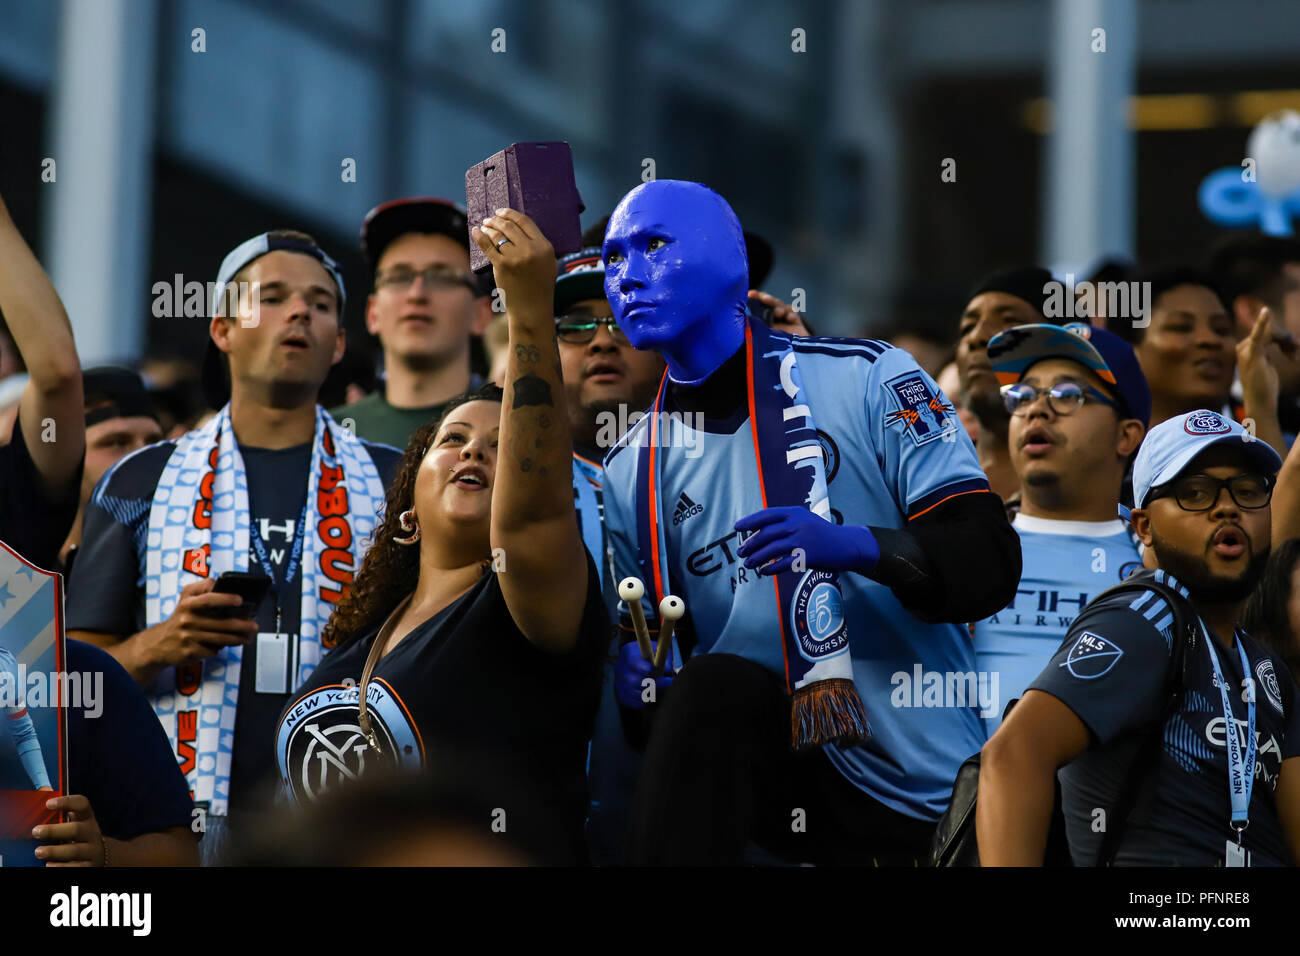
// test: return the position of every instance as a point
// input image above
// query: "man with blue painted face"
(823, 516)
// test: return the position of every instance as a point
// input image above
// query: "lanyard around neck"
(1241, 767)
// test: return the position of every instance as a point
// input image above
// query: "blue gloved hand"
(782, 533)
(630, 672)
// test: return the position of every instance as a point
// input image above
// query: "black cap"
(1030, 283)
(115, 392)
(397, 217)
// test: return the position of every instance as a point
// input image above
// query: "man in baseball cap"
(1079, 408)
(120, 419)
(270, 486)
(607, 383)
(424, 306)
(999, 301)
(1128, 681)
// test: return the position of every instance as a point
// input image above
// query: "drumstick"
(670, 609)
(632, 590)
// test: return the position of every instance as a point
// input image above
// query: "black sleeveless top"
(465, 681)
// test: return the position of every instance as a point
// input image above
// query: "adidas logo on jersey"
(686, 508)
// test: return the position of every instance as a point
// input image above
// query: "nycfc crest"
(1206, 423)
(1268, 680)
(817, 617)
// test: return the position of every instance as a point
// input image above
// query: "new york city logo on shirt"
(1092, 656)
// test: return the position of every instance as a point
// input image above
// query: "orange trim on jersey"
(594, 464)
(762, 488)
(20, 715)
(973, 491)
(419, 739)
(653, 481)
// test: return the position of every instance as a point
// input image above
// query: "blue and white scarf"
(198, 527)
(810, 623)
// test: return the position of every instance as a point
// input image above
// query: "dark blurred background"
(181, 128)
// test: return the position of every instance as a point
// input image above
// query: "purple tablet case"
(537, 180)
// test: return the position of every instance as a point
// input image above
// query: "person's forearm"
(534, 481)
(36, 318)
(959, 562)
(1286, 498)
(33, 761)
(1013, 812)
(173, 847)
(131, 652)
(1268, 427)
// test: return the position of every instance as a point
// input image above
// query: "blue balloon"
(676, 275)
(1226, 199)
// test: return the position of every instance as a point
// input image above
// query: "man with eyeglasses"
(607, 383)
(1215, 747)
(424, 306)
(1079, 406)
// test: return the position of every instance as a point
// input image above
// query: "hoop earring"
(407, 521)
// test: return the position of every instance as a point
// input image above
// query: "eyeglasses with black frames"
(579, 328)
(1200, 492)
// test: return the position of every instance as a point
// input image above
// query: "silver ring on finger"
(501, 242)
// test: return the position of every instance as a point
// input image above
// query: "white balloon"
(1275, 146)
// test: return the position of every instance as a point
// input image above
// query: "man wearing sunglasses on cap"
(1079, 405)
(1212, 745)
(608, 382)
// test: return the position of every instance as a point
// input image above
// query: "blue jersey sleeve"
(924, 453)
(1111, 668)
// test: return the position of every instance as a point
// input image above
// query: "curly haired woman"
(476, 621)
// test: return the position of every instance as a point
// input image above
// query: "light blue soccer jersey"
(1066, 565)
(588, 478)
(889, 456)
(18, 722)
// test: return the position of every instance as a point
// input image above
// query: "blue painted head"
(676, 275)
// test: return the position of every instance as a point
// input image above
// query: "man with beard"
(1206, 797)
(1000, 301)
(607, 382)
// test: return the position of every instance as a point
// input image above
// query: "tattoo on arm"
(532, 390)
(528, 354)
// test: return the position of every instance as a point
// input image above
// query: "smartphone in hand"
(251, 586)
(535, 179)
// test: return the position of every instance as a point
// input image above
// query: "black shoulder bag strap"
(1148, 753)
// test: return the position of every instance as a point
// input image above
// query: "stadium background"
(166, 157)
